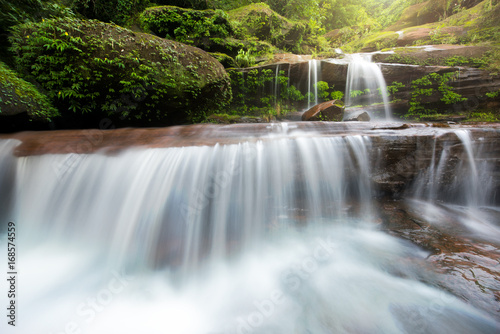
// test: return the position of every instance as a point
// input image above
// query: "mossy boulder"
(18, 96)
(205, 29)
(259, 21)
(99, 68)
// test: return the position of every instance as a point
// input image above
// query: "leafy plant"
(244, 59)
(337, 95)
(394, 87)
(426, 86)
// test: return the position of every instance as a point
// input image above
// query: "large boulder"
(259, 21)
(105, 70)
(326, 111)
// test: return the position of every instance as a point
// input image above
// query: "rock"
(412, 35)
(419, 14)
(260, 21)
(113, 72)
(21, 97)
(463, 264)
(234, 119)
(326, 111)
(431, 54)
(360, 116)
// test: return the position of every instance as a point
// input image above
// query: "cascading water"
(459, 184)
(275, 234)
(366, 85)
(312, 81)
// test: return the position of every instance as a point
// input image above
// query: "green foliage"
(356, 93)
(90, 66)
(493, 95)
(13, 12)
(466, 61)
(261, 92)
(224, 59)
(394, 87)
(205, 29)
(482, 117)
(429, 85)
(17, 96)
(323, 90)
(374, 41)
(117, 11)
(244, 59)
(337, 95)
(258, 21)
(407, 58)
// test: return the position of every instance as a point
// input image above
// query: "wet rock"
(464, 266)
(360, 116)
(326, 111)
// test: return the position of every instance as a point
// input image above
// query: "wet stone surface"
(465, 265)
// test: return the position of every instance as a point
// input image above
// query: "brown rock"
(326, 111)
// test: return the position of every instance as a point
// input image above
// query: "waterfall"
(459, 184)
(366, 85)
(276, 233)
(312, 80)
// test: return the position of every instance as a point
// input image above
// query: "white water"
(366, 85)
(272, 236)
(469, 198)
(312, 81)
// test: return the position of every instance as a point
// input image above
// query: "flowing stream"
(275, 234)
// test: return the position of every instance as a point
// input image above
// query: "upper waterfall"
(366, 85)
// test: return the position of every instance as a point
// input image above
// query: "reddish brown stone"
(326, 111)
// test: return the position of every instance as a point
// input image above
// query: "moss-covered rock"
(205, 29)
(95, 67)
(18, 96)
(260, 21)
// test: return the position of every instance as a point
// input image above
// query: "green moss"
(261, 22)
(94, 67)
(374, 41)
(485, 116)
(18, 96)
(224, 59)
